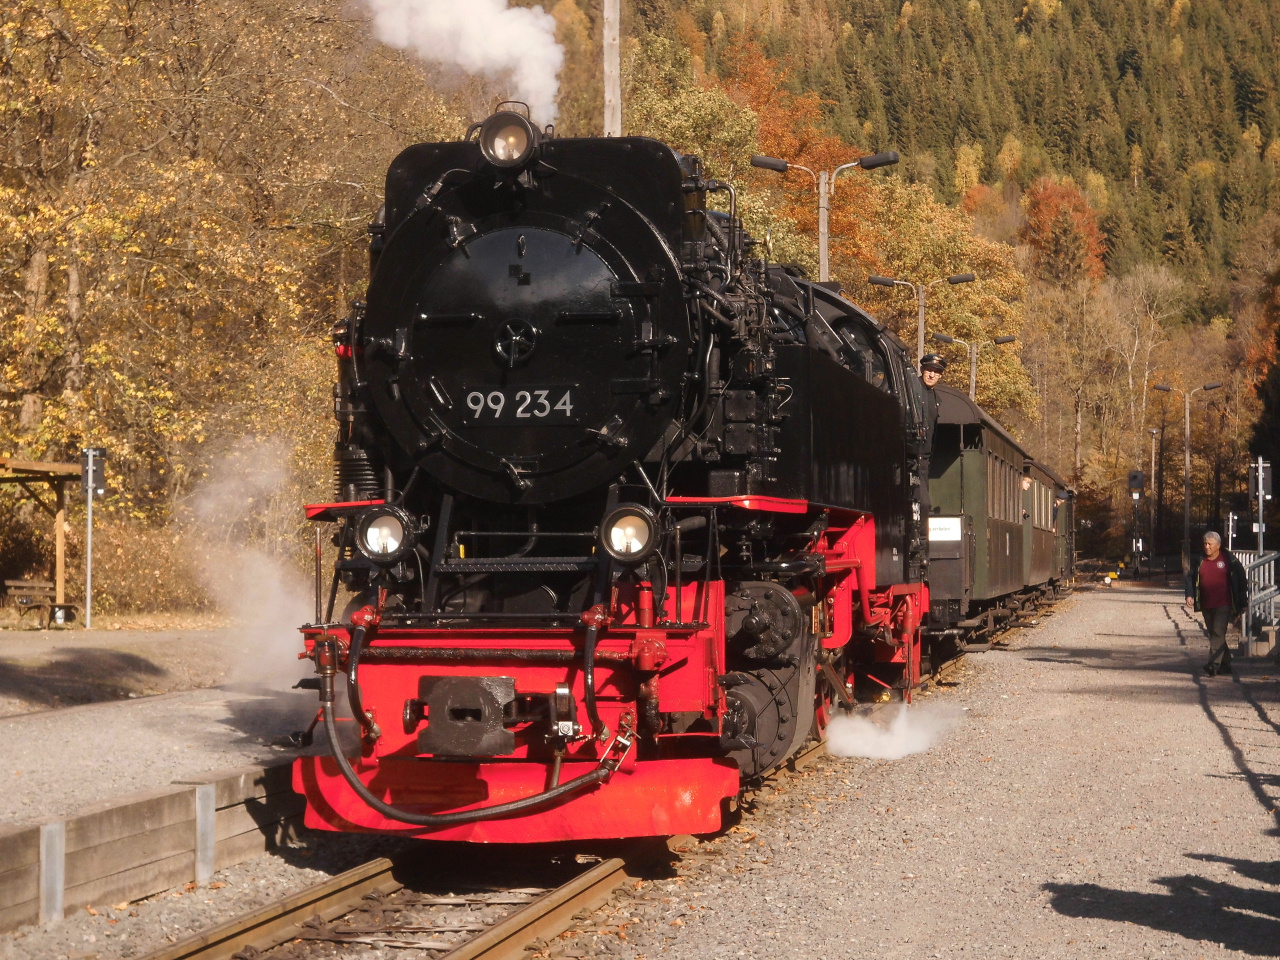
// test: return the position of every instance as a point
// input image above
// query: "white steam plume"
(241, 520)
(484, 37)
(913, 729)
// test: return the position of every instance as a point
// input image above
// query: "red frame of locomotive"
(653, 797)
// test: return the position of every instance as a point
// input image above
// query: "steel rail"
(281, 921)
(278, 922)
(544, 918)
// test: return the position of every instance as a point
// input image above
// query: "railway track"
(377, 909)
(371, 906)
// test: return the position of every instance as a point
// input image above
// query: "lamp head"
(770, 163)
(508, 140)
(879, 160)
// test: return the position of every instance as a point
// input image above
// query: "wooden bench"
(40, 596)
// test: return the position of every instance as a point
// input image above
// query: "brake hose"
(589, 678)
(326, 667)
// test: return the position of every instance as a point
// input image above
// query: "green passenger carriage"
(999, 527)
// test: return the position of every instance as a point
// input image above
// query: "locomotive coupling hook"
(617, 749)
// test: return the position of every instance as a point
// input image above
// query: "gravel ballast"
(1099, 798)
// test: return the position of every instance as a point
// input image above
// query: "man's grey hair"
(1215, 537)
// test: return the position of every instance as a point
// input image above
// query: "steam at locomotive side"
(624, 511)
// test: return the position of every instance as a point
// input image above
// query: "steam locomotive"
(626, 511)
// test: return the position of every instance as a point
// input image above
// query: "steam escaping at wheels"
(910, 729)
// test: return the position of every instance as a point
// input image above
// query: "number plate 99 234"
(513, 406)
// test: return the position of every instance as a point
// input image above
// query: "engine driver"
(932, 366)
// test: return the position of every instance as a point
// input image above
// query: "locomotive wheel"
(826, 704)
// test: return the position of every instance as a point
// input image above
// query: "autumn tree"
(1062, 232)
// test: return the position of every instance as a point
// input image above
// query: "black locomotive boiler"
(624, 511)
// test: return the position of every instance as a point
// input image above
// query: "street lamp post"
(1151, 486)
(973, 349)
(1186, 461)
(612, 69)
(824, 181)
(920, 289)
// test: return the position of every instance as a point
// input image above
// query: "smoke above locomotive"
(489, 38)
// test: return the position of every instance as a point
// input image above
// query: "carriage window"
(869, 362)
(993, 487)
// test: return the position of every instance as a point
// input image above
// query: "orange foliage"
(690, 36)
(1062, 230)
(791, 126)
(976, 197)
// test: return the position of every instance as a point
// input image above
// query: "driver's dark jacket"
(930, 418)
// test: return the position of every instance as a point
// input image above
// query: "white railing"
(1264, 595)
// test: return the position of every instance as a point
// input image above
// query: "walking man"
(1218, 588)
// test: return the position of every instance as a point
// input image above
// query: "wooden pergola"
(28, 475)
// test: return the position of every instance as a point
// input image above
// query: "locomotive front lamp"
(630, 534)
(508, 140)
(385, 534)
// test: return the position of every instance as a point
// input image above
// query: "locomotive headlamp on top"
(630, 534)
(508, 140)
(385, 534)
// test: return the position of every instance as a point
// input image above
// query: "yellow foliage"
(920, 239)
(183, 199)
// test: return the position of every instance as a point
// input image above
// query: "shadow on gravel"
(1239, 918)
(1258, 783)
(1119, 659)
(269, 715)
(79, 675)
(1262, 872)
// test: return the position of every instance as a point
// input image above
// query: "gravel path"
(55, 762)
(48, 669)
(1099, 796)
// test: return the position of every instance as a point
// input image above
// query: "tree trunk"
(1079, 423)
(75, 310)
(35, 288)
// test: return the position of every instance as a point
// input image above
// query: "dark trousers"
(1215, 621)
